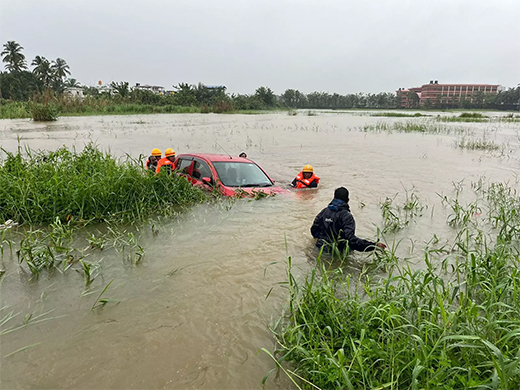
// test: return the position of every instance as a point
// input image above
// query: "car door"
(184, 166)
(201, 170)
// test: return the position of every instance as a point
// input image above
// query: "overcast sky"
(339, 46)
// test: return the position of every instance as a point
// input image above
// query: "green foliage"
(13, 110)
(418, 126)
(478, 144)
(453, 324)
(85, 186)
(266, 96)
(121, 88)
(472, 115)
(13, 57)
(398, 114)
(19, 85)
(43, 112)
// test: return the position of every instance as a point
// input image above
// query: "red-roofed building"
(435, 94)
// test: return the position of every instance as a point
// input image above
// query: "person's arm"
(349, 233)
(293, 183)
(313, 184)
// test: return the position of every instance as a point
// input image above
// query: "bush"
(43, 112)
(90, 186)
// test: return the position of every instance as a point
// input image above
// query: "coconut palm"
(60, 68)
(13, 57)
(72, 83)
(43, 70)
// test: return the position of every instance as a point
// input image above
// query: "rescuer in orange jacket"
(166, 163)
(151, 163)
(306, 178)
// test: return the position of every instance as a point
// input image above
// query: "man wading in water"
(335, 223)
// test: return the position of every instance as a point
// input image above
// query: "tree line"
(20, 84)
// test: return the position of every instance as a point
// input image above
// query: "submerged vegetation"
(465, 117)
(398, 114)
(84, 187)
(411, 127)
(452, 324)
(478, 144)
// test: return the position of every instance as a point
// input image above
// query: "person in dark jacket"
(335, 223)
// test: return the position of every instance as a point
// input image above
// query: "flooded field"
(197, 309)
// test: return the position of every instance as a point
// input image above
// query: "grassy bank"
(455, 324)
(15, 110)
(85, 186)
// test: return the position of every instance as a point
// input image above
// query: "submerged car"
(229, 175)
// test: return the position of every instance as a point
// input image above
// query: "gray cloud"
(330, 45)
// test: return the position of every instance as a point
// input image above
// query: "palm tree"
(72, 83)
(60, 68)
(43, 70)
(13, 57)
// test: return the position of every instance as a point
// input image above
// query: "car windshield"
(235, 174)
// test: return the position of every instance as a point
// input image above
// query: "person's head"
(307, 171)
(156, 154)
(243, 154)
(170, 154)
(342, 194)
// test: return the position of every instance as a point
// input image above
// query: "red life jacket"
(165, 162)
(305, 183)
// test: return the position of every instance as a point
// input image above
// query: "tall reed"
(454, 324)
(85, 186)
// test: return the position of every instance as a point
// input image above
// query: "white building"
(74, 92)
(152, 88)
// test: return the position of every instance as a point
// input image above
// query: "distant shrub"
(43, 112)
(222, 106)
(472, 115)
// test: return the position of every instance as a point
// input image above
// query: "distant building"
(74, 92)
(105, 89)
(444, 94)
(152, 88)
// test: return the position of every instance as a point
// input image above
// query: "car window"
(235, 174)
(183, 165)
(200, 170)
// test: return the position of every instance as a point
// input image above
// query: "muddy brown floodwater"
(194, 314)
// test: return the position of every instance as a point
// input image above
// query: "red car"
(228, 174)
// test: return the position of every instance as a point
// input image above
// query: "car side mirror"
(206, 180)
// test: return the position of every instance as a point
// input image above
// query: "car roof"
(215, 157)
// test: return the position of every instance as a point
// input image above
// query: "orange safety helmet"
(169, 152)
(307, 168)
(156, 152)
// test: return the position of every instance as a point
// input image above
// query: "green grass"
(478, 144)
(398, 114)
(91, 107)
(85, 186)
(464, 117)
(14, 110)
(429, 127)
(129, 109)
(41, 112)
(453, 324)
